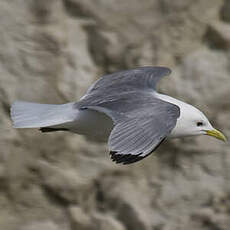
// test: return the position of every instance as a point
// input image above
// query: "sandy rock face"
(50, 52)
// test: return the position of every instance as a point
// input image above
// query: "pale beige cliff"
(50, 52)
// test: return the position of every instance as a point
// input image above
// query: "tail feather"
(34, 115)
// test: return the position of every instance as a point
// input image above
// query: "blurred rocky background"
(50, 52)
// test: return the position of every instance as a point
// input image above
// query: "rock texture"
(50, 52)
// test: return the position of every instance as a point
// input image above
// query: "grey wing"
(135, 138)
(118, 85)
(141, 122)
(129, 80)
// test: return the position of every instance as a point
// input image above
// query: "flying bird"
(124, 109)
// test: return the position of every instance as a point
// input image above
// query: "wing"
(129, 80)
(137, 136)
(141, 122)
(114, 86)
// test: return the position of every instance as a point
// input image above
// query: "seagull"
(123, 109)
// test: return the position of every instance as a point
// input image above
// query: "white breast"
(95, 125)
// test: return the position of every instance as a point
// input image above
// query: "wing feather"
(128, 80)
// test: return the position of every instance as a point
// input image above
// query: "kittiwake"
(124, 109)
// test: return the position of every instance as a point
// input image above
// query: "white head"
(193, 122)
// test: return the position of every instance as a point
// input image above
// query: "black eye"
(199, 123)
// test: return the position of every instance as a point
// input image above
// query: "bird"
(123, 109)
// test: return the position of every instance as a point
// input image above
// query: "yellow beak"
(217, 134)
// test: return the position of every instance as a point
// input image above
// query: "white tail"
(34, 115)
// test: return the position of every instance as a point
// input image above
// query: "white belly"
(94, 125)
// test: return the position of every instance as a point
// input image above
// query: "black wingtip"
(125, 158)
